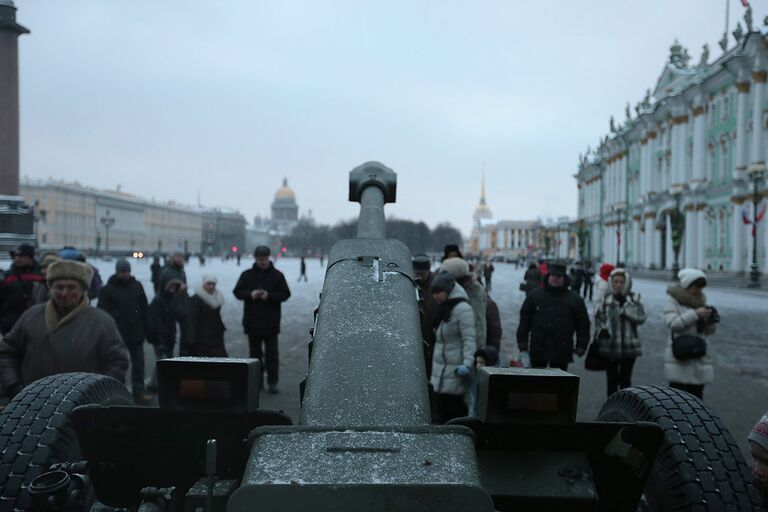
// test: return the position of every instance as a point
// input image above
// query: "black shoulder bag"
(687, 347)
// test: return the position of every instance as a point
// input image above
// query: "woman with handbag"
(617, 316)
(687, 362)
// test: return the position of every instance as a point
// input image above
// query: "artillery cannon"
(364, 439)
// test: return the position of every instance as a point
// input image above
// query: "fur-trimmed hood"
(685, 298)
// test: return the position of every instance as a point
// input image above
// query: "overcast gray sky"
(226, 98)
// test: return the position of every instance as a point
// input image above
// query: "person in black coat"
(205, 328)
(20, 283)
(155, 268)
(124, 299)
(263, 289)
(548, 320)
(532, 279)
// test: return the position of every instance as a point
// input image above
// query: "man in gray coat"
(62, 335)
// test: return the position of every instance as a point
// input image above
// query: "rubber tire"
(35, 430)
(699, 466)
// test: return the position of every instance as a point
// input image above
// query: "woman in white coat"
(687, 314)
(454, 354)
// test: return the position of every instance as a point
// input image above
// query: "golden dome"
(285, 192)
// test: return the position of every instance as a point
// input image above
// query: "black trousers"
(694, 389)
(450, 406)
(137, 369)
(619, 374)
(544, 364)
(269, 356)
(588, 286)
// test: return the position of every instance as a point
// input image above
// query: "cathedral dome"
(285, 192)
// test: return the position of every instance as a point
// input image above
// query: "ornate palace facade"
(695, 149)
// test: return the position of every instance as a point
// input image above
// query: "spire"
(285, 182)
(482, 187)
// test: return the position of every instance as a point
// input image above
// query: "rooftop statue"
(627, 113)
(647, 99)
(704, 55)
(738, 33)
(748, 18)
(612, 124)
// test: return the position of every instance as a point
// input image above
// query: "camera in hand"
(714, 315)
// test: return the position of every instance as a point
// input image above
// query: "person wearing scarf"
(454, 354)
(617, 316)
(205, 328)
(62, 335)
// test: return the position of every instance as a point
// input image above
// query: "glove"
(463, 371)
(580, 351)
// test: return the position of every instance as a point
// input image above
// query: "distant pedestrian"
(758, 448)
(589, 280)
(453, 359)
(617, 317)
(263, 289)
(155, 268)
(206, 329)
(488, 274)
(478, 298)
(238, 258)
(576, 276)
(427, 305)
(549, 319)
(174, 271)
(303, 270)
(322, 260)
(19, 285)
(687, 314)
(124, 299)
(532, 279)
(63, 335)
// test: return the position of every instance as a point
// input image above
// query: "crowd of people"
(555, 325)
(49, 326)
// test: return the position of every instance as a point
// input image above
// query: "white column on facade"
(670, 253)
(636, 257)
(691, 237)
(699, 143)
(650, 233)
(758, 104)
(701, 230)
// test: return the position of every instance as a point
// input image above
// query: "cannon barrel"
(367, 364)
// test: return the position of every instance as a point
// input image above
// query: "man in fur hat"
(62, 335)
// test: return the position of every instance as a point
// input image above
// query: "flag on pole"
(745, 3)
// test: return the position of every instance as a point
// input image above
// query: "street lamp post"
(107, 221)
(39, 215)
(756, 173)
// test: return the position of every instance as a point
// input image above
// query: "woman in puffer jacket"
(687, 314)
(617, 316)
(453, 357)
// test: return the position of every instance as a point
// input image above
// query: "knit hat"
(688, 276)
(489, 353)
(67, 269)
(23, 250)
(69, 253)
(122, 265)
(759, 432)
(421, 262)
(605, 270)
(48, 259)
(456, 266)
(210, 278)
(443, 282)
(261, 251)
